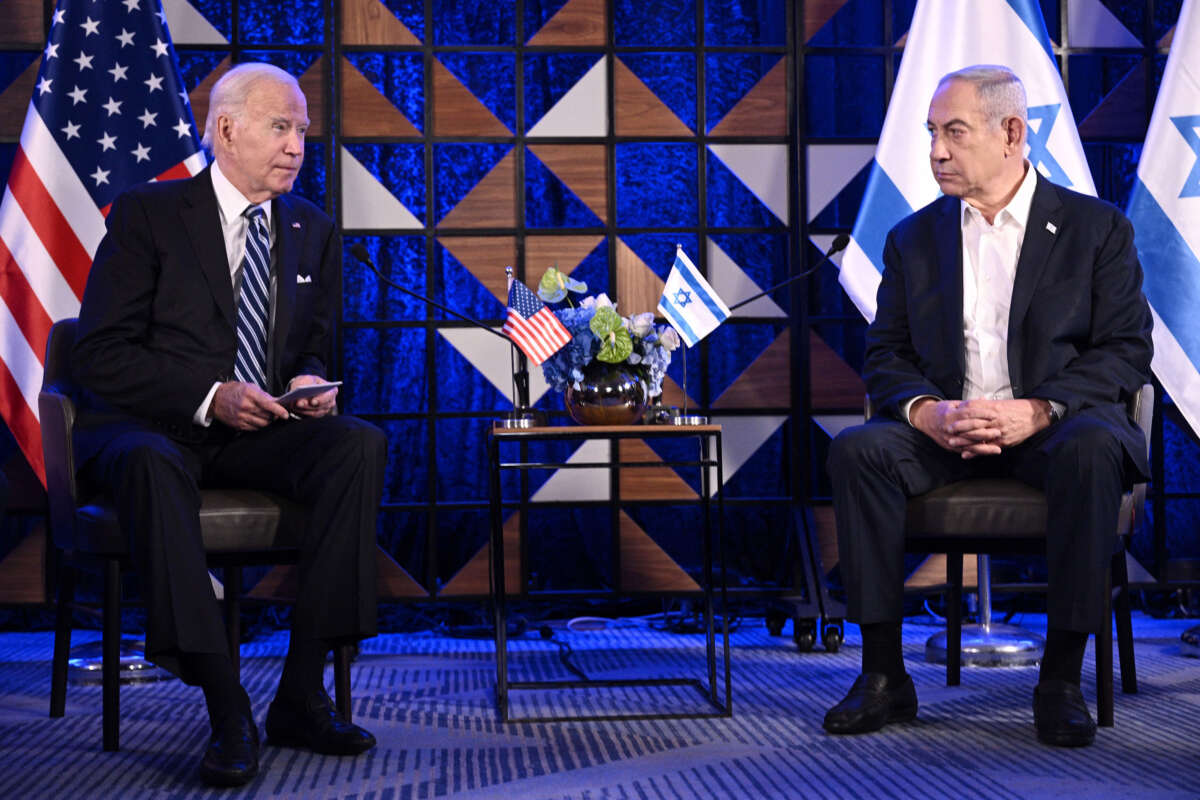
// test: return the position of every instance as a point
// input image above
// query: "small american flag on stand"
(531, 325)
(108, 111)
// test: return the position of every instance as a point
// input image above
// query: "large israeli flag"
(947, 35)
(1165, 210)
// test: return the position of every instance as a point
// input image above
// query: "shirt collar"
(230, 200)
(1017, 209)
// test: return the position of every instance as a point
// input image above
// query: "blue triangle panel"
(411, 13)
(658, 249)
(219, 14)
(570, 549)
(400, 77)
(550, 203)
(548, 77)
(734, 346)
(399, 167)
(366, 297)
(491, 77)
(295, 62)
(457, 288)
(538, 13)
(762, 256)
(661, 23)
(730, 203)
(728, 77)
(745, 22)
(12, 64)
(405, 480)
(196, 65)
(458, 167)
(385, 370)
(462, 473)
(461, 387)
(672, 78)
(490, 23)
(858, 22)
(674, 528)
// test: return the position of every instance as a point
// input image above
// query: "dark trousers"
(332, 465)
(875, 467)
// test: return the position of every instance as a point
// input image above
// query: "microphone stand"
(838, 245)
(522, 416)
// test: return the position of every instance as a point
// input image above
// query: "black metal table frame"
(708, 437)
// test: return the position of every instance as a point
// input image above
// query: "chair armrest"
(57, 413)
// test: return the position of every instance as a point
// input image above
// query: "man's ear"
(1014, 134)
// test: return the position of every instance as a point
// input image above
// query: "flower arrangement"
(599, 333)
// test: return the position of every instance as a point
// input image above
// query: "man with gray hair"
(208, 298)
(1011, 328)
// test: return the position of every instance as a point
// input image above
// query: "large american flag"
(531, 325)
(108, 111)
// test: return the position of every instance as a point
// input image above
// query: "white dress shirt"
(231, 207)
(990, 252)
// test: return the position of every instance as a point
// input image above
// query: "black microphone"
(520, 375)
(839, 244)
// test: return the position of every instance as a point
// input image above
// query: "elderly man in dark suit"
(208, 297)
(1010, 329)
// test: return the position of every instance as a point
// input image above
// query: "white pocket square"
(304, 279)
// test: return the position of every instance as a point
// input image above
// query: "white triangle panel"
(764, 170)
(734, 285)
(490, 355)
(1090, 24)
(830, 168)
(583, 110)
(833, 424)
(367, 204)
(740, 439)
(823, 242)
(189, 26)
(579, 484)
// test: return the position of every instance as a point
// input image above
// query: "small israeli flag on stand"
(688, 303)
(947, 35)
(1165, 211)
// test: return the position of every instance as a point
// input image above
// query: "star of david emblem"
(683, 297)
(1038, 139)
(1188, 125)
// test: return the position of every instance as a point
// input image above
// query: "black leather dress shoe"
(872, 703)
(1061, 715)
(232, 755)
(316, 725)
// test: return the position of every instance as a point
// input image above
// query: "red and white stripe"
(539, 337)
(49, 230)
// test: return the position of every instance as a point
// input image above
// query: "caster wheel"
(804, 634)
(775, 621)
(832, 638)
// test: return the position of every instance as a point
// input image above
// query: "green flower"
(554, 286)
(615, 342)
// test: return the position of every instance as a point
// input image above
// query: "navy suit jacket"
(1078, 328)
(158, 323)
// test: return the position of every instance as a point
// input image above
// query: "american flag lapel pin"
(1050, 226)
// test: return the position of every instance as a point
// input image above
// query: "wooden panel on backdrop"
(366, 112)
(646, 567)
(371, 22)
(472, 579)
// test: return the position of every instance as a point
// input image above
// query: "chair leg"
(954, 576)
(341, 679)
(1123, 614)
(1104, 660)
(111, 658)
(233, 615)
(62, 640)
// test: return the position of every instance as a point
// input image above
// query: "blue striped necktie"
(254, 305)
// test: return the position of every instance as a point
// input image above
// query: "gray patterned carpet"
(428, 699)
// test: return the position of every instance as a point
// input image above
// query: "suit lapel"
(287, 244)
(1045, 219)
(202, 221)
(948, 246)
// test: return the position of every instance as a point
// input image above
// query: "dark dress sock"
(1063, 658)
(304, 667)
(881, 650)
(214, 674)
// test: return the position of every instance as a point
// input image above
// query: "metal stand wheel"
(804, 634)
(1189, 642)
(832, 635)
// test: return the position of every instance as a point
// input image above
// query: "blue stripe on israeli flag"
(947, 35)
